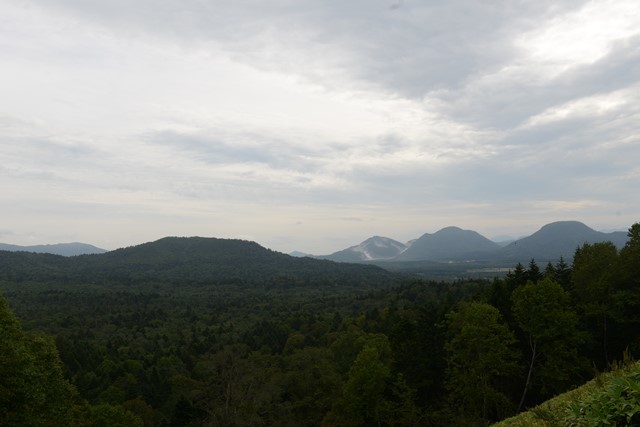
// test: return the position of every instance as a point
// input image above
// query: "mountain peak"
(560, 238)
(449, 243)
(566, 225)
(450, 229)
(372, 249)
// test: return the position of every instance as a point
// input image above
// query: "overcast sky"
(312, 125)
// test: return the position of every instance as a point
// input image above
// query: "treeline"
(422, 353)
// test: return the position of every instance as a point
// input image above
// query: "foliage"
(610, 399)
(105, 415)
(480, 353)
(543, 313)
(606, 289)
(32, 388)
(618, 403)
(196, 332)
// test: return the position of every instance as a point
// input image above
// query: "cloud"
(400, 113)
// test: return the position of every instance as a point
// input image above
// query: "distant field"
(451, 270)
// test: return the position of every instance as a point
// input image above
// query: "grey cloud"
(33, 153)
(553, 161)
(443, 52)
(410, 50)
(232, 148)
(510, 103)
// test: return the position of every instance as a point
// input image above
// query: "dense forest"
(191, 332)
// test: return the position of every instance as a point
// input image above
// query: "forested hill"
(189, 260)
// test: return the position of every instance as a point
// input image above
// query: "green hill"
(192, 260)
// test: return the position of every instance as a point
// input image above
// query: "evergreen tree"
(550, 271)
(627, 296)
(533, 274)
(595, 270)
(563, 274)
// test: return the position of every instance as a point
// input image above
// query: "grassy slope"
(554, 412)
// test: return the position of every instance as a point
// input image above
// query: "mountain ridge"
(63, 249)
(190, 260)
(453, 244)
(449, 244)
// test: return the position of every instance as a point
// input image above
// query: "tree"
(533, 274)
(244, 387)
(550, 271)
(105, 415)
(312, 382)
(543, 313)
(630, 261)
(518, 276)
(480, 355)
(32, 388)
(563, 274)
(593, 286)
(372, 394)
(362, 394)
(627, 296)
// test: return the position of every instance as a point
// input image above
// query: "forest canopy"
(249, 337)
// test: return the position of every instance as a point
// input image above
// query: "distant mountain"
(373, 249)
(298, 254)
(503, 239)
(64, 249)
(455, 244)
(558, 239)
(449, 244)
(192, 260)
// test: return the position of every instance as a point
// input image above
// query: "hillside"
(609, 399)
(189, 260)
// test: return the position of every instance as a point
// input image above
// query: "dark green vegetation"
(223, 332)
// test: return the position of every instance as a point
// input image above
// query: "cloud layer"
(312, 125)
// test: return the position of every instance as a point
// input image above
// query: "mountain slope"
(194, 260)
(558, 239)
(449, 244)
(374, 248)
(64, 249)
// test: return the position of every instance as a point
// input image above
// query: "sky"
(312, 125)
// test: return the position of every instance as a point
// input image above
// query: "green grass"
(612, 399)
